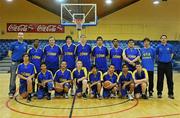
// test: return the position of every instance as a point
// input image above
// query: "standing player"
(16, 51)
(116, 56)
(94, 80)
(126, 83)
(165, 55)
(52, 54)
(131, 55)
(45, 82)
(100, 53)
(110, 77)
(148, 56)
(68, 52)
(36, 56)
(62, 80)
(140, 77)
(83, 52)
(25, 73)
(80, 79)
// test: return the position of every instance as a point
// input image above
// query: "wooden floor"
(106, 108)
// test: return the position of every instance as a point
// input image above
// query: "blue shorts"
(68, 85)
(94, 90)
(23, 88)
(43, 91)
(124, 91)
(79, 87)
(107, 92)
(138, 89)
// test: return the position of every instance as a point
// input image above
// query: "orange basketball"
(107, 84)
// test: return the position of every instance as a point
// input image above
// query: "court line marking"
(30, 105)
(80, 116)
(72, 107)
(158, 116)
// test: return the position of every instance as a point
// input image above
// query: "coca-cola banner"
(35, 28)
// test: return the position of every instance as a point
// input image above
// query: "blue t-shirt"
(148, 56)
(112, 79)
(79, 74)
(36, 56)
(122, 78)
(18, 49)
(138, 76)
(100, 54)
(131, 54)
(26, 71)
(164, 52)
(116, 58)
(45, 76)
(69, 55)
(84, 54)
(51, 55)
(95, 77)
(62, 76)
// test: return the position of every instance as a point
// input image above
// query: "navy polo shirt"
(18, 49)
(164, 52)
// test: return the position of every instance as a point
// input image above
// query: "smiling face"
(43, 67)
(79, 64)
(63, 65)
(52, 41)
(131, 44)
(20, 36)
(111, 69)
(163, 39)
(115, 43)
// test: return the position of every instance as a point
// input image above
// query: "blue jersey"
(62, 76)
(26, 71)
(18, 49)
(122, 78)
(112, 79)
(84, 54)
(148, 56)
(69, 55)
(79, 74)
(52, 56)
(36, 56)
(95, 77)
(164, 52)
(116, 58)
(142, 75)
(131, 54)
(100, 54)
(45, 76)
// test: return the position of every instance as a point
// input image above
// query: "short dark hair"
(146, 39)
(138, 63)
(93, 66)
(124, 65)
(43, 63)
(99, 37)
(130, 40)
(68, 37)
(163, 35)
(111, 65)
(25, 54)
(114, 40)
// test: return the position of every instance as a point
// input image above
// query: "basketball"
(58, 87)
(107, 84)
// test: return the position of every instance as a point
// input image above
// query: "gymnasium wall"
(135, 21)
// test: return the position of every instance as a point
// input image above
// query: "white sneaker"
(112, 95)
(66, 96)
(130, 97)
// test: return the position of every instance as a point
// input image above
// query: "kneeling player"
(45, 82)
(94, 80)
(26, 72)
(110, 83)
(62, 80)
(126, 83)
(80, 79)
(140, 77)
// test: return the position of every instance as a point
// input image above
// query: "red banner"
(35, 28)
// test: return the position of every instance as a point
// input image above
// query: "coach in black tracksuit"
(165, 54)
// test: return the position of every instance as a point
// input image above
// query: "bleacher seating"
(5, 44)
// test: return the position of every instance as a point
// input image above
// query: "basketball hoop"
(79, 23)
